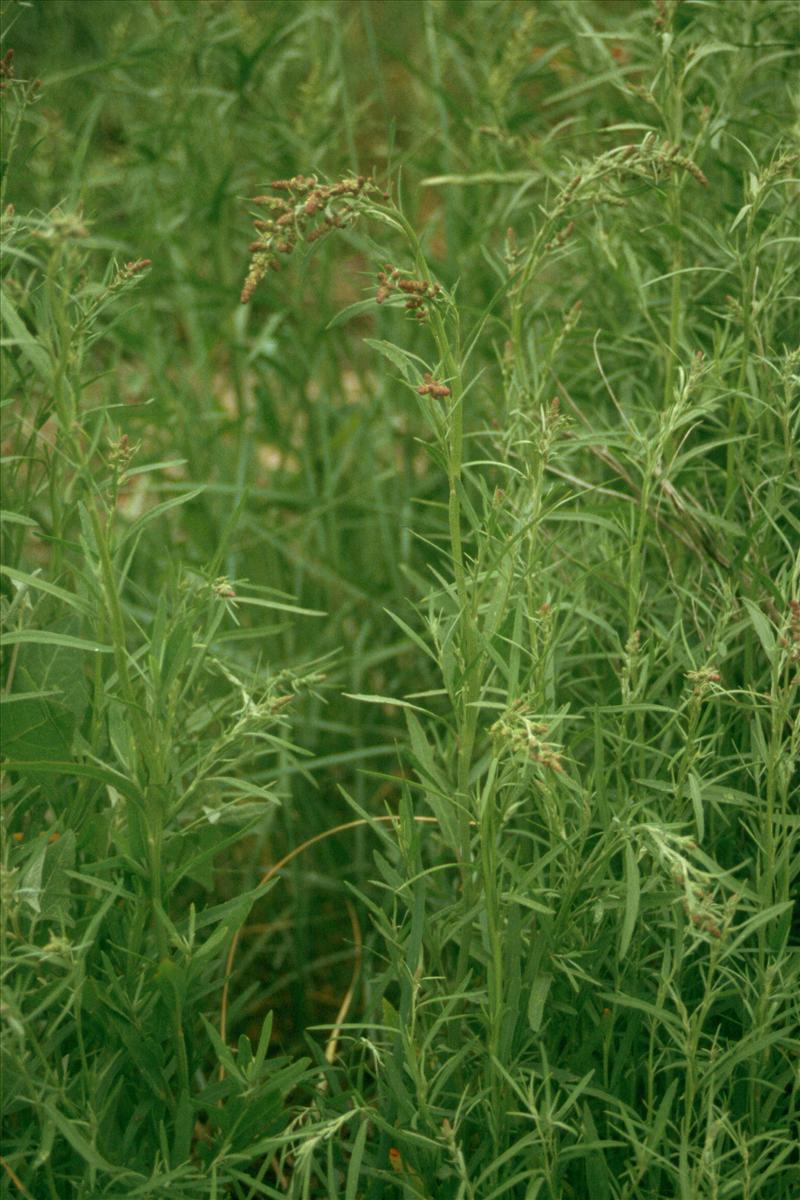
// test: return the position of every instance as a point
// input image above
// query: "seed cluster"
(305, 212)
(418, 292)
(432, 387)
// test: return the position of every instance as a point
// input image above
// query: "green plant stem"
(747, 300)
(454, 450)
(676, 298)
(674, 105)
(146, 826)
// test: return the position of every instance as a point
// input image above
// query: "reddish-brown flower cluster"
(221, 587)
(697, 903)
(124, 274)
(8, 78)
(417, 292)
(670, 156)
(307, 211)
(791, 640)
(561, 237)
(700, 919)
(524, 735)
(120, 452)
(566, 196)
(432, 387)
(701, 680)
(794, 621)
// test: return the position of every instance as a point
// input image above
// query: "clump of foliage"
(400, 668)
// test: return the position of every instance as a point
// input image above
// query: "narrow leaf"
(631, 900)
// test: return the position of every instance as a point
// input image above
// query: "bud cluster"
(222, 589)
(135, 267)
(700, 900)
(418, 293)
(29, 89)
(120, 453)
(522, 734)
(696, 903)
(125, 274)
(305, 212)
(511, 251)
(432, 387)
(547, 430)
(702, 680)
(791, 640)
(669, 155)
(630, 666)
(562, 236)
(595, 184)
(566, 196)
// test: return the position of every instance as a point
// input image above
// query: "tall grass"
(401, 667)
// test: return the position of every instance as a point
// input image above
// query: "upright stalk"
(674, 115)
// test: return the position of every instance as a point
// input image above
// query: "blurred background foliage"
(157, 121)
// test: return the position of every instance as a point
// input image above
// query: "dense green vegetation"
(400, 669)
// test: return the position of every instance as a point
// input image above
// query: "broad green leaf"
(536, 1000)
(61, 668)
(290, 608)
(762, 627)
(409, 364)
(158, 510)
(29, 887)
(37, 729)
(71, 1131)
(354, 1166)
(415, 638)
(181, 1146)
(46, 637)
(696, 794)
(17, 519)
(383, 700)
(58, 864)
(352, 310)
(82, 770)
(224, 1055)
(30, 346)
(481, 177)
(264, 1040)
(526, 902)
(436, 788)
(42, 585)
